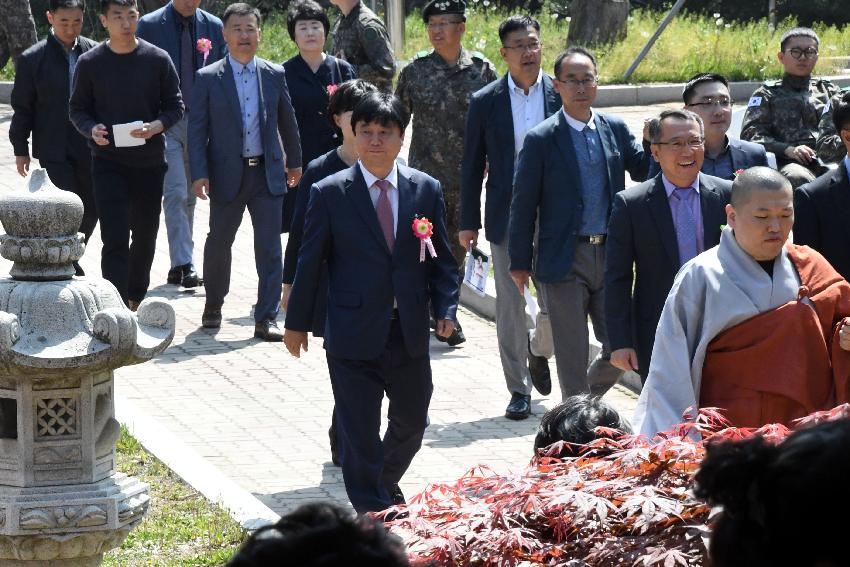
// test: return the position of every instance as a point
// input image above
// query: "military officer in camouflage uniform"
(360, 38)
(784, 115)
(436, 86)
(829, 146)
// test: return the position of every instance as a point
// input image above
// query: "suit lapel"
(406, 203)
(659, 208)
(168, 26)
(839, 193)
(228, 84)
(551, 99)
(713, 212)
(564, 141)
(261, 79)
(609, 147)
(738, 157)
(358, 196)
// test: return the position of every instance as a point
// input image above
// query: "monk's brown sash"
(785, 363)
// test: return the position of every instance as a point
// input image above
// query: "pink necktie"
(385, 212)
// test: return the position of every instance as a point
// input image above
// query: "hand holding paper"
(123, 134)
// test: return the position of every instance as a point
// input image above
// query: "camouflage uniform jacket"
(786, 113)
(829, 146)
(438, 96)
(361, 39)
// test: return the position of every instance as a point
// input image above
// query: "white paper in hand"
(123, 139)
(531, 306)
(477, 270)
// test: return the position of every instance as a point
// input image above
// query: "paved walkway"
(261, 417)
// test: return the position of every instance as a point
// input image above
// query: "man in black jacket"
(40, 103)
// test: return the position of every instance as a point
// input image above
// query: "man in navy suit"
(570, 167)
(655, 228)
(499, 117)
(240, 112)
(360, 221)
(176, 28)
(707, 96)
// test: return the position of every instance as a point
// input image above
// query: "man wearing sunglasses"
(707, 96)
(783, 115)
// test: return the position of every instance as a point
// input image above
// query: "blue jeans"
(178, 199)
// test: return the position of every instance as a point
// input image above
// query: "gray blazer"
(215, 129)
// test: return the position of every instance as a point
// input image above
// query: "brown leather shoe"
(268, 331)
(211, 319)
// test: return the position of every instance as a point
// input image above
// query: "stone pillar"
(61, 338)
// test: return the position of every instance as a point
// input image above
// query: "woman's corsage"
(204, 46)
(423, 229)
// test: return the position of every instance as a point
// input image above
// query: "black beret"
(440, 7)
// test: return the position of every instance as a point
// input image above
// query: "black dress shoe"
(519, 408)
(268, 331)
(457, 337)
(397, 496)
(211, 319)
(78, 269)
(334, 443)
(538, 368)
(189, 277)
(175, 275)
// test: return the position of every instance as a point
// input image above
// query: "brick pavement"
(261, 416)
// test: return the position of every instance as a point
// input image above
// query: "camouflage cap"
(440, 7)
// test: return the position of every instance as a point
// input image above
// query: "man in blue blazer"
(707, 96)
(499, 117)
(240, 112)
(176, 28)
(570, 167)
(382, 278)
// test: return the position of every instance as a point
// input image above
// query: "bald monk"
(755, 326)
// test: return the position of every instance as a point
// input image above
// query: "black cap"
(440, 7)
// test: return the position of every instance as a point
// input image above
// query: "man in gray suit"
(239, 105)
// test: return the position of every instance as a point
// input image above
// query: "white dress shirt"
(374, 192)
(528, 110)
(578, 125)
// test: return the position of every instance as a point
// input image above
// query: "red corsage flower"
(423, 229)
(332, 89)
(204, 46)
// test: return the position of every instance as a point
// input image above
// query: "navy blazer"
(822, 217)
(489, 144)
(161, 29)
(642, 248)
(215, 129)
(547, 190)
(744, 156)
(365, 277)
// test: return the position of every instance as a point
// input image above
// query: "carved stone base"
(68, 525)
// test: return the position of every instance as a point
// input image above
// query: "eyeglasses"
(679, 145)
(711, 102)
(441, 25)
(592, 81)
(532, 47)
(797, 53)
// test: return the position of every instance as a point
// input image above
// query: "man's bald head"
(757, 179)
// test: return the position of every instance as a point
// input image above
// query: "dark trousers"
(371, 466)
(75, 175)
(128, 202)
(225, 218)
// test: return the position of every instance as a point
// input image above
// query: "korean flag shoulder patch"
(754, 101)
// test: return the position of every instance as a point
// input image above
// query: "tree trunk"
(17, 29)
(597, 22)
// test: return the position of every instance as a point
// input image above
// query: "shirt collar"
(578, 125)
(62, 45)
(370, 179)
(514, 88)
(237, 66)
(669, 187)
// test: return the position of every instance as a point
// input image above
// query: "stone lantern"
(61, 338)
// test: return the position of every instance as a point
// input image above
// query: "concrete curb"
(609, 95)
(194, 469)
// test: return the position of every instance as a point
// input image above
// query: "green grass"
(181, 528)
(692, 43)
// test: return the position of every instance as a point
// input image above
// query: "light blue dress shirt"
(248, 92)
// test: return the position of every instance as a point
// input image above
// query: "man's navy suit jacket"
(365, 276)
(160, 28)
(547, 189)
(744, 156)
(822, 217)
(642, 248)
(489, 144)
(215, 129)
